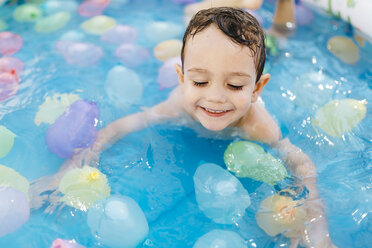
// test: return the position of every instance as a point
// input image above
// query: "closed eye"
(200, 83)
(235, 87)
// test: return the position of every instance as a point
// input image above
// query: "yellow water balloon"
(53, 107)
(98, 24)
(340, 116)
(6, 141)
(27, 13)
(3, 25)
(53, 22)
(281, 214)
(9, 177)
(82, 187)
(168, 49)
(344, 48)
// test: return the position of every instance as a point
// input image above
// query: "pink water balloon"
(120, 34)
(132, 54)
(79, 53)
(167, 76)
(8, 85)
(10, 43)
(90, 8)
(14, 210)
(60, 243)
(11, 65)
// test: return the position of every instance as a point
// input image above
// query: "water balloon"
(10, 43)
(168, 49)
(98, 24)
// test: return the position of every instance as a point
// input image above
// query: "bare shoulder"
(259, 125)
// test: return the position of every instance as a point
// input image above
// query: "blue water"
(155, 166)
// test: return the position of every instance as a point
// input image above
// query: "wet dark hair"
(237, 24)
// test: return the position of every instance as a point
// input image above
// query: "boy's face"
(218, 82)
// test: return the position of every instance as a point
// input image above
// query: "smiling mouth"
(214, 113)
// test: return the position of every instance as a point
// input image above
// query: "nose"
(216, 94)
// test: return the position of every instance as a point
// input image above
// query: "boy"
(221, 78)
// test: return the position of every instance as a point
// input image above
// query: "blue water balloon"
(118, 222)
(220, 239)
(123, 86)
(219, 194)
(14, 210)
(76, 128)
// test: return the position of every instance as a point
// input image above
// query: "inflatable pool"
(70, 67)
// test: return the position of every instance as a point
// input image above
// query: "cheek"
(243, 101)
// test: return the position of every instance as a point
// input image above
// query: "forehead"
(211, 47)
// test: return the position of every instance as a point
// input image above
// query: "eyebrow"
(238, 73)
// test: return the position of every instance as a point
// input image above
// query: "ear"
(179, 73)
(264, 79)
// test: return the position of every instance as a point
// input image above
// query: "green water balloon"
(82, 187)
(247, 159)
(9, 177)
(6, 141)
(338, 117)
(27, 13)
(3, 25)
(98, 24)
(53, 22)
(344, 48)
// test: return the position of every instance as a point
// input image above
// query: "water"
(155, 166)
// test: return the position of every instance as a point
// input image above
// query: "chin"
(214, 127)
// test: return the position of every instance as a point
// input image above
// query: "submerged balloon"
(123, 86)
(3, 25)
(8, 85)
(168, 49)
(219, 194)
(92, 7)
(11, 178)
(313, 89)
(6, 141)
(53, 22)
(60, 243)
(76, 128)
(14, 210)
(27, 13)
(344, 48)
(120, 34)
(118, 222)
(98, 24)
(167, 75)
(220, 239)
(78, 53)
(11, 65)
(160, 31)
(10, 43)
(340, 116)
(304, 15)
(247, 159)
(132, 54)
(82, 187)
(53, 107)
(54, 6)
(281, 214)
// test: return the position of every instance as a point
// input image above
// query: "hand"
(315, 233)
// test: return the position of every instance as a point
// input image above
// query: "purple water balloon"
(304, 15)
(132, 54)
(75, 128)
(14, 210)
(60, 243)
(167, 76)
(8, 85)
(78, 53)
(11, 65)
(120, 34)
(92, 7)
(10, 43)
